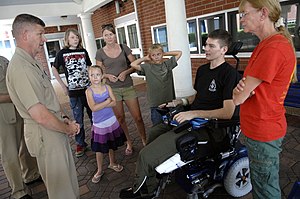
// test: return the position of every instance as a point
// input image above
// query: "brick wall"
(152, 12)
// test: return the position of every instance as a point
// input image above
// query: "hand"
(240, 87)
(109, 100)
(72, 128)
(147, 58)
(183, 116)
(174, 103)
(112, 78)
(122, 76)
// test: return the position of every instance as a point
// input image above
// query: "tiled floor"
(112, 182)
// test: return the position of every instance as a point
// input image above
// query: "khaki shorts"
(125, 93)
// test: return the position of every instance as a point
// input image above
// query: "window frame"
(246, 54)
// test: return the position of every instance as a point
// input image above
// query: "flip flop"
(96, 178)
(128, 151)
(116, 168)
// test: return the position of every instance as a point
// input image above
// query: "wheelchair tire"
(237, 180)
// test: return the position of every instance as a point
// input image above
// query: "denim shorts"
(124, 93)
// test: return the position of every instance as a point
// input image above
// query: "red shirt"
(263, 114)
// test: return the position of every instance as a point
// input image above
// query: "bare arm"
(223, 113)
(44, 117)
(245, 89)
(176, 53)
(92, 104)
(62, 84)
(113, 101)
(137, 63)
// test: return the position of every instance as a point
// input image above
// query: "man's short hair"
(23, 20)
(223, 36)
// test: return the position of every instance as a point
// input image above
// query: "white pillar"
(88, 35)
(178, 40)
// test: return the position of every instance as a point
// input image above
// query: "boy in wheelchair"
(214, 84)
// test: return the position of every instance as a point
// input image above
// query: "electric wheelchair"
(201, 167)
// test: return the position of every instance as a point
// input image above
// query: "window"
(133, 38)
(199, 27)
(208, 25)
(127, 33)
(7, 43)
(160, 36)
(291, 14)
(100, 43)
(121, 35)
(249, 40)
(192, 34)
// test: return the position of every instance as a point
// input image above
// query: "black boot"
(127, 193)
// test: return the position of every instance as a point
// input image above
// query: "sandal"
(96, 178)
(128, 151)
(116, 168)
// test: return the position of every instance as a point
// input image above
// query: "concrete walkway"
(112, 182)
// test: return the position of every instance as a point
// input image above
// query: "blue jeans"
(264, 168)
(156, 117)
(77, 105)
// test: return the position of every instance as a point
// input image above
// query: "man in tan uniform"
(45, 130)
(16, 161)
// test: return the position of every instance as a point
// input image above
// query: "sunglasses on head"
(107, 26)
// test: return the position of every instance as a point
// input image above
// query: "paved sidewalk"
(112, 182)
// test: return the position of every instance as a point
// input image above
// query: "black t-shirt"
(74, 63)
(213, 86)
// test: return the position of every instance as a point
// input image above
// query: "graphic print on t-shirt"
(212, 86)
(75, 63)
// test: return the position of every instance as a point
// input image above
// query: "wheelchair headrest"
(234, 48)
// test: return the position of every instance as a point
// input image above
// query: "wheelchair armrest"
(221, 123)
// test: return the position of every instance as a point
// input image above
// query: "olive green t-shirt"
(160, 84)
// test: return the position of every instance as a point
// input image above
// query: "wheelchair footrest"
(171, 164)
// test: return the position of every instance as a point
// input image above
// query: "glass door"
(52, 47)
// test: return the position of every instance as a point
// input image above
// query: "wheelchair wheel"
(237, 180)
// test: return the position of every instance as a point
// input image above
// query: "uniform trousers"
(55, 161)
(17, 163)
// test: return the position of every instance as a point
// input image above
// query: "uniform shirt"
(74, 63)
(28, 85)
(263, 114)
(7, 110)
(115, 66)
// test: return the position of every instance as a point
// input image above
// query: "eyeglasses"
(107, 26)
(244, 14)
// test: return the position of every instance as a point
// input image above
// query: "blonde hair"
(66, 38)
(155, 47)
(274, 15)
(100, 68)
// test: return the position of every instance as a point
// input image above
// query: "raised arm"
(137, 63)
(176, 53)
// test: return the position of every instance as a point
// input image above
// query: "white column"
(88, 35)
(178, 40)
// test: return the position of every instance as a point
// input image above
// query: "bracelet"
(65, 117)
(184, 101)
